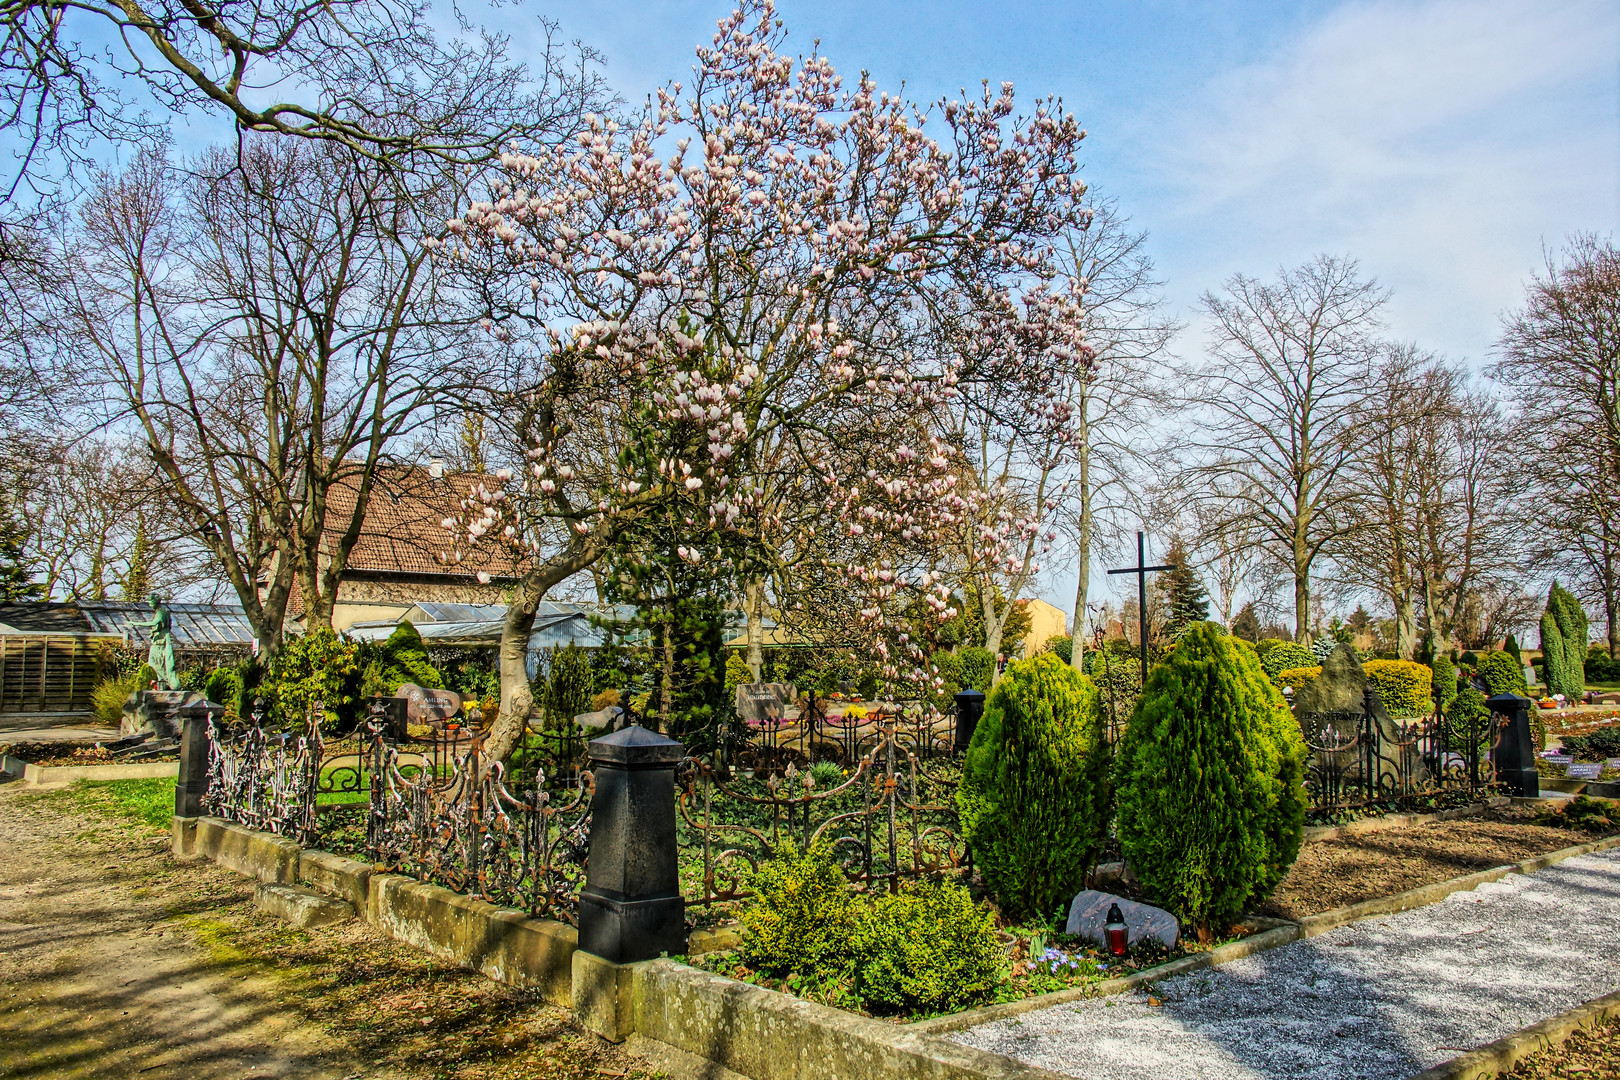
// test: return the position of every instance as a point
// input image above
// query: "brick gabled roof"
(404, 534)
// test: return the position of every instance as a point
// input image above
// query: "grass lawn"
(150, 801)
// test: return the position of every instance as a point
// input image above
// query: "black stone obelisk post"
(191, 783)
(1515, 755)
(969, 710)
(631, 907)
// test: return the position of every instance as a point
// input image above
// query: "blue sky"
(1442, 143)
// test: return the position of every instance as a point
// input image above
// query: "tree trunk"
(1405, 626)
(1302, 606)
(517, 699)
(1083, 568)
(993, 626)
(754, 602)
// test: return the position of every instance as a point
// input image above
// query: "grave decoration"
(1092, 911)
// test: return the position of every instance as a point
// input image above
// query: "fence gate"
(48, 673)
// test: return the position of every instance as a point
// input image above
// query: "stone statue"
(161, 655)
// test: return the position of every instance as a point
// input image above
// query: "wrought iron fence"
(1355, 762)
(471, 833)
(266, 780)
(889, 817)
(815, 732)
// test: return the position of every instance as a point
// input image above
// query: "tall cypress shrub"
(1563, 643)
(1034, 791)
(1210, 780)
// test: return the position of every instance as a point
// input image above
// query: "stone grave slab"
(1584, 770)
(1089, 913)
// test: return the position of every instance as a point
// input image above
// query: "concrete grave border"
(729, 1025)
(51, 775)
(1498, 1057)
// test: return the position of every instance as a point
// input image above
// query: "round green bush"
(1285, 656)
(927, 948)
(978, 668)
(1406, 689)
(1210, 781)
(803, 915)
(1502, 674)
(1062, 647)
(1034, 793)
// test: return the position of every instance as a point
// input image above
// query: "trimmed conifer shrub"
(1034, 792)
(1443, 683)
(1210, 781)
(1563, 643)
(1285, 656)
(1406, 689)
(1502, 675)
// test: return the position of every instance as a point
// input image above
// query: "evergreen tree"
(1185, 600)
(137, 585)
(1246, 624)
(1210, 775)
(1034, 791)
(16, 575)
(1563, 643)
(1511, 647)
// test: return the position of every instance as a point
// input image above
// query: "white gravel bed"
(1376, 1000)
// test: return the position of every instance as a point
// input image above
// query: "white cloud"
(1440, 142)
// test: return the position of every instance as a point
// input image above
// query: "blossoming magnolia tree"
(758, 260)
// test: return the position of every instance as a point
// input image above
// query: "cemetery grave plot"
(74, 753)
(1589, 1054)
(1348, 870)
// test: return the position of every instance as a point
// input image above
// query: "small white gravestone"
(1558, 759)
(1613, 763)
(1584, 770)
(1089, 913)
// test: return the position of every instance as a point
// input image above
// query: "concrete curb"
(1309, 926)
(1318, 833)
(1596, 789)
(1236, 950)
(1500, 1056)
(45, 775)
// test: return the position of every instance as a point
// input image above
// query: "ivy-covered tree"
(1563, 643)
(1210, 775)
(16, 575)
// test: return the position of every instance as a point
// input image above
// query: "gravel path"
(1377, 1000)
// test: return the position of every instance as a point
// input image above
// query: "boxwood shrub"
(1034, 793)
(1503, 674)
(977, 668)
(1210, 779)
(1286, 656)
(1406, 688)
(1299, 676)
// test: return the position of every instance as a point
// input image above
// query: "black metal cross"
(1141, 570)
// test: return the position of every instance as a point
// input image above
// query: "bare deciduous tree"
(1560, 354)
(1275, 401)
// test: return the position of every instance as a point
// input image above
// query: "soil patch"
(116, 959)
(1589, 1053)
(1349, 869)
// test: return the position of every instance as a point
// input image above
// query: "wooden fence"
(48, 673)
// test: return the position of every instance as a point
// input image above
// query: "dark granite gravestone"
(1342, 688)
(969, 710)
(1514, 754)
(425, 706)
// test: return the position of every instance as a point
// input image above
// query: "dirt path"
(118, 960)
(96, 978)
